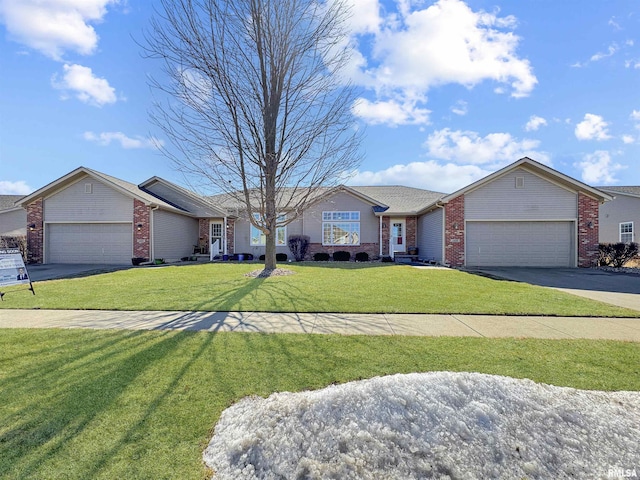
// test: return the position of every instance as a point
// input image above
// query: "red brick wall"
(373, 249)
(411, 227)
(386, 231)
(35, 237)
(203, 230)
(230, 233)
(141, 236)
(587, 235)
(454, 232)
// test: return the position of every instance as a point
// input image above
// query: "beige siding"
(174, 235)
(13, 223)
(539, 199)
(341, 202)
(103, 204)
(430, 234)
(243, 238)
(623, 208)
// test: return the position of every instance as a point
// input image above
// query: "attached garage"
(99, 243)
(530, 244)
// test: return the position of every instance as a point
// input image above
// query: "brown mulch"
(277, 272)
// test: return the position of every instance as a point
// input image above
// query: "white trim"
(521, 220)
(632, 232)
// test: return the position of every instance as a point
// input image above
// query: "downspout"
(224, 237)
(444, 236)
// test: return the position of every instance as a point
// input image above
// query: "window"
(341, 228)
(259, 238)
(626, 232)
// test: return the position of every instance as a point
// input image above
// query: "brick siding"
(588, 213)
(141, 236)
(373, 249)
(230, 233)
(35, 237)
(454, 232)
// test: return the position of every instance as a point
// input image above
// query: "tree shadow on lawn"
(63, 397)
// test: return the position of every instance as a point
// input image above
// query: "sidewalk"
(332, 323)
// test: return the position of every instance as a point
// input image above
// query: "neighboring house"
(525, 214)
(620, 218)
(13, 218)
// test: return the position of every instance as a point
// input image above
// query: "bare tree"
(256, 105)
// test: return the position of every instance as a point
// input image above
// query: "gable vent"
(88, 188)
(519, 182)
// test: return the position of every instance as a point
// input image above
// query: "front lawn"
(79, 404)
(330, 287)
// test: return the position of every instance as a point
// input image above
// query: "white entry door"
(398, 240)
(216, 237)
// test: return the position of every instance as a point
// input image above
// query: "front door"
(398, 240)
(216, 239)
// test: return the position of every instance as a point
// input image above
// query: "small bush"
(616, 254)
(299, 245)
(321, 257)
(387, 259)
(341, 256)
(261, 258)
(135, 261)
(362, 257)
(281, 257)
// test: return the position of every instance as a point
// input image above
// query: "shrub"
(341, 256)
(362, 257)
(299, 245)
(19, 241)
(321, 257)
(616, 254)
(387, 259)
(261, 258)
(135, 261)
(281, 257)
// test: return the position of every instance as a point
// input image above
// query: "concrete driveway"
(54, 271)
(621, 289)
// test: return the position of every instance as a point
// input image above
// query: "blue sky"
(450, 91)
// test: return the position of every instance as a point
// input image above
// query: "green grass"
(349, 287)
(78, 404)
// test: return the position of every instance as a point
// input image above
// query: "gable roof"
(126, 188)
(631, 191)
(539, 169)
(398, 199)
(8, 202)
(190, 201)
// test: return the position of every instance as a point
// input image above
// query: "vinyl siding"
(538, 200)
(13, 223)
(621, 209)
(103, 204)
(430, 228)
(342, 202)
(174, 235)
(242, 238)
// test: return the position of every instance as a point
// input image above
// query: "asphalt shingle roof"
(630, 190)
(9, 201)
(400, 199)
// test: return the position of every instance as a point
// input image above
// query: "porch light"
(32, 227)
(139, 226)
(590, 224)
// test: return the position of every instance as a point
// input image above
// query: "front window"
(626, 232)
(258, 238)
(341, 228)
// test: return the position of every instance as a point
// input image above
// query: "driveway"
(52, 271)
(621, 289)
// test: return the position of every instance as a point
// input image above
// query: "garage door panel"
(99, 243)
(540, 244)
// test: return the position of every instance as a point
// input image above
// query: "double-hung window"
(626, 232)
(258, 238)
(341, 228)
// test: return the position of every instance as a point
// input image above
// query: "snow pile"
(431, 425)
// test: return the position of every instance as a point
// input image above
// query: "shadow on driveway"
(52, 271)
(590, 279)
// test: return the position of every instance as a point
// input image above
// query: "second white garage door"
(526, 244)
(99, 243)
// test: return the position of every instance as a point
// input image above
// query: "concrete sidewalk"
(332, 323)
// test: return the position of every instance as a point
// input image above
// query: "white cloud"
(105, 138)
(390, 112)
(635, 115)
(598, 168)
(613, 48)
(460, 108)
(88, 88)
(429, 175)
(593, 127)
(54, 26)
(534, 123)
(14, 188)
(493, 150)
(628, 139)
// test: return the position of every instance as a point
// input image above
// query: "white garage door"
(527, 244)
(100, 243)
